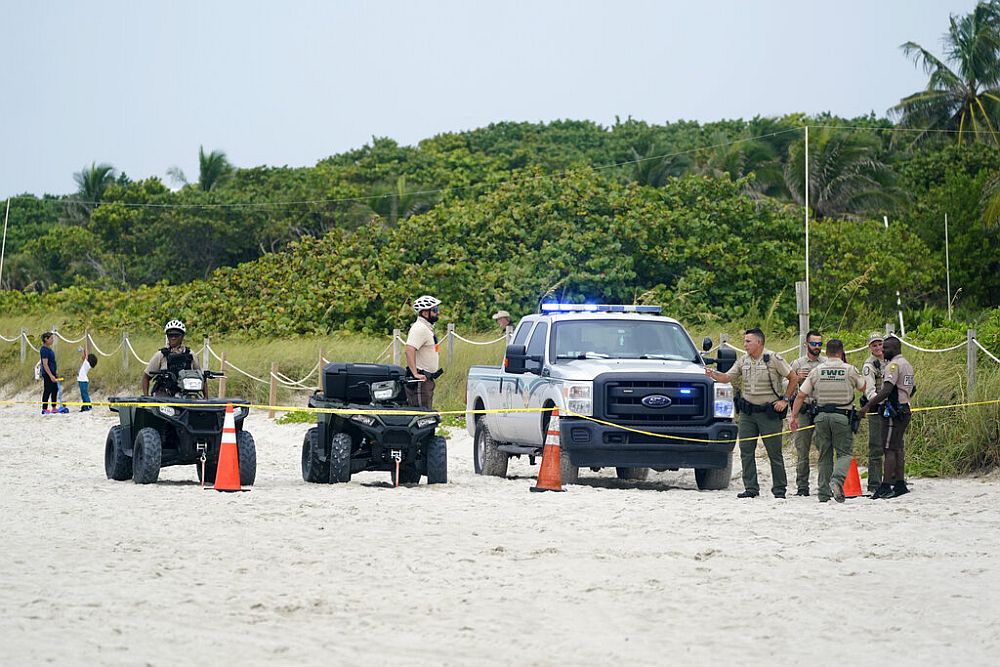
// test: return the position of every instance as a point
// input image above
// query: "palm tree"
(846, 175)
(756, 149)
(213, 169)
(653, 163)
(397, 201)
(961, 97)
(91, 183)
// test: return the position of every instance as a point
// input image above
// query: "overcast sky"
(141, 84)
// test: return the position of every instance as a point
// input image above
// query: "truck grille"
(623, 401)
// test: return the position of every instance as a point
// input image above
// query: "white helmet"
(175, 324)
(426, 302)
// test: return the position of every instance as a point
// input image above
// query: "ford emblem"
(656, 401)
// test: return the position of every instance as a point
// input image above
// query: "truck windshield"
(621, 339)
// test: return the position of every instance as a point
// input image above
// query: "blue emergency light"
(552, 308)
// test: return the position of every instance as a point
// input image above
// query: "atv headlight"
(239, 413)
(579, 397)
(424, 422)
(167, 411)
(363, 419)
(724, 401)
(192, 384)
(383, 391)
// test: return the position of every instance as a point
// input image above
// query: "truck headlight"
(167, 411)
(579, 397)
(191, 384)
(363, 419)
(424, 422)
(724, 407)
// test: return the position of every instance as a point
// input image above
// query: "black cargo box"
(349, 382)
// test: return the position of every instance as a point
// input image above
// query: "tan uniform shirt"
(899, 372)
(832, 383)
(804, 362)
(422, 339)
(759, 380)
(873, 370)
(159, 362)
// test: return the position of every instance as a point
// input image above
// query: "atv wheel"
(486, 458)
(146, 456)
(436, 453)
(714, 479)
(313, 470)
(632, 473)
(340, 458)
(246, 452)
(117, 464)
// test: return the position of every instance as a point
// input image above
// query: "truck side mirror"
(706, 344)
(514, 359)
(725, 360)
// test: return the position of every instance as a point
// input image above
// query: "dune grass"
(940, 442)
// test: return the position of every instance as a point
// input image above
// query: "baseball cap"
(874, 336)
(502, 313)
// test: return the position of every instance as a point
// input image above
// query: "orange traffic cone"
(227, 478)
(852, 485)
(549, 478)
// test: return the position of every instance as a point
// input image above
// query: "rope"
(9, 340)
(93, 344)
(61, 337)
(985, 351)
(28, 341)
(473, 342)
(134, 354)
(922, 349)
(383, 353)
(284, 379)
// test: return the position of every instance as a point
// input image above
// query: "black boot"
(899, 489)
(748, 494)
(884, 491)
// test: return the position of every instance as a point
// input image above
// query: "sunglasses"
(811, 344)
(174, 335)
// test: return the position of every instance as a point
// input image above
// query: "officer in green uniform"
(762, 408)
(832, 385)
(873, 370)
(803, 438)
(893, 398)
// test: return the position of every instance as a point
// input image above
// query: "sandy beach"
(478, 571)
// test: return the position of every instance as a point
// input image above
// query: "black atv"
(185, 430)
(373, 438)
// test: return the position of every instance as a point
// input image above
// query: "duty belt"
(748, 407)
(834, 410)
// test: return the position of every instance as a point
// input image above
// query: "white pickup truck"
(636, 372)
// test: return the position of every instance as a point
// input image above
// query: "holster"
(855, 420)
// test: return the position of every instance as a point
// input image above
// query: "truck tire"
(246, 452)
(117, 464)
(632, 473)
(437, 460)
(339, 467)
(714, 479)
(147, 455)
(567, 471)
(313, 470)
(486, 458)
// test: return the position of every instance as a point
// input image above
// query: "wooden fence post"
(125, 350)
(890, 329)
(970, 363)
(723, 339)
(509, 333)
(55, 337)
(205, 353)
(802, 307)
(451, 342)
(222, 380)
(395, 347)
(24, 344)
(319, 371)
(272, 396)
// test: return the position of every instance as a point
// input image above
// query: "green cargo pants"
(833, 434)
(760, 424)
(876, 452)
(802, 441)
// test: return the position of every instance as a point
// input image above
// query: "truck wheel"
(632, 473)
(487, 459)
(340, 458)
(246, 453)
(437, 460)
(313, 470)
(146, 456)
(569, 472)
(714, 479)
(117, 464)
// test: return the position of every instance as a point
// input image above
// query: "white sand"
(479, 571)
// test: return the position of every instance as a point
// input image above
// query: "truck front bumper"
(592, 445)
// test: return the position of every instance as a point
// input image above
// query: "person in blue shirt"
(50, 387)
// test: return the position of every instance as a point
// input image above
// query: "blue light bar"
(685, 391)
(598, 308)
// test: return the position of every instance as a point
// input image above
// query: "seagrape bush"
(703, 247)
